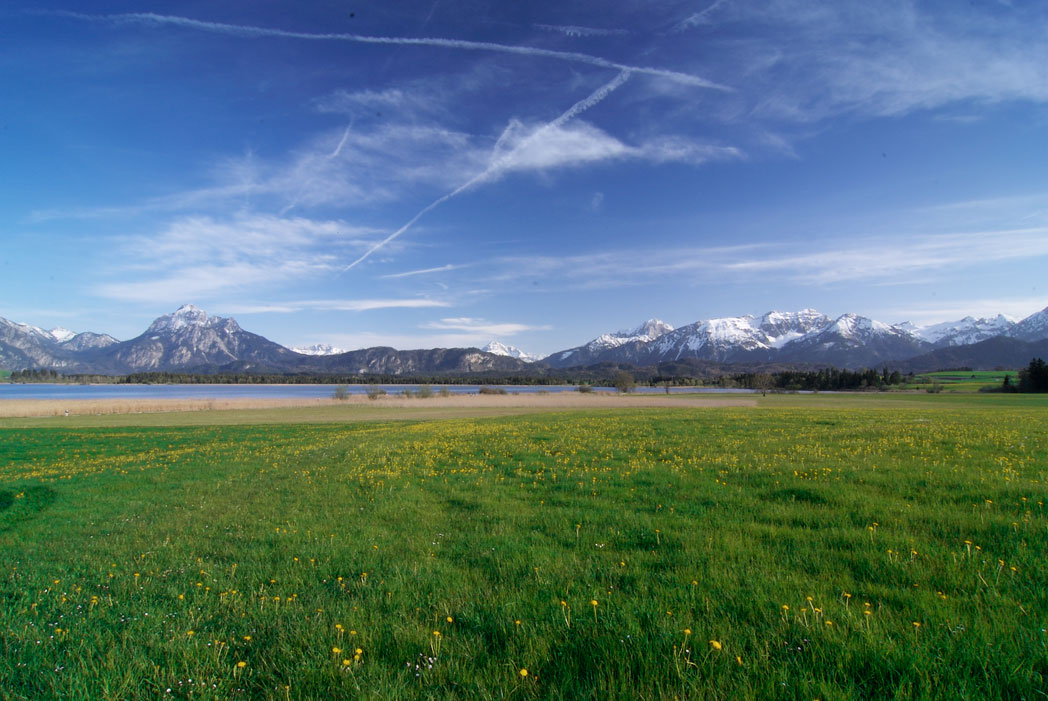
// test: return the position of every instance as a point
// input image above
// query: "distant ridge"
(190, 340)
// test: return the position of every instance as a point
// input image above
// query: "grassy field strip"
(777, 552)
(51, 413)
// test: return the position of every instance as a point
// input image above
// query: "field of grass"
(966, 380)
(807, 548)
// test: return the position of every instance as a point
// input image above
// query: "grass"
(966, 380)
(810, 547)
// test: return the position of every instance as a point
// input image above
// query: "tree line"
(1032, 378)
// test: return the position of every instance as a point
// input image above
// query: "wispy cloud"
(481, 326)
(338, 305)
(572, 30)
(820, 60)
(407, 341)
(811, 263)
(909, 257)
(1016, 308)
(195, 257)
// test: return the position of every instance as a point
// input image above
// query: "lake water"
(64, 391)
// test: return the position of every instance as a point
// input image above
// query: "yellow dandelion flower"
(715, 644)
(523, 672)
(436, 634)
(241, 664)
(687, 631)
(346, 663)
(336, 650)
(449, 619)
(593, 602)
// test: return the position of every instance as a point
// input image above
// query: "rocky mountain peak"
(190, 316)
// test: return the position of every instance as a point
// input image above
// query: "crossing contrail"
(502, 163)
(462, 44)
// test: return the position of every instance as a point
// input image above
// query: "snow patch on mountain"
(645, 333)
(498, 348)
(185, 316)
(319, 349)
(61, 335)
(1033, 327)
(961, 332)
(723, 338)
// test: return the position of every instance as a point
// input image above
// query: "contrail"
(500, 164)
(252, 31)
(342, 142)
(330, 157)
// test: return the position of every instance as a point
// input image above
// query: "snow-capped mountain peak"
(188, 316)
(855, 327)
(319, 349)
(650, 329)
(782, 327)
(1032, 328)
(646, 332)
(499, 348)
(962, 332)
(61, 334)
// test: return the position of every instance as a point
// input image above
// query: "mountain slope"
(853, 341)
(993, 353)
(962, 332)
(24, 346)
(498, 348)
(737, 339)
(1032, 328)
(189, 339)
(596, 350)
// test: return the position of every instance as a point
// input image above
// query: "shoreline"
(33, 408)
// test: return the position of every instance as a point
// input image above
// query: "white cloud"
(818, 60)
(338, 305)
(481, 327)
(578, 143)
(879, 259)
(939, 311)
(572, 30)
(195, 257)
(909, 256)
(406, 341)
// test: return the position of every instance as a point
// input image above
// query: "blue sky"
(444, 173)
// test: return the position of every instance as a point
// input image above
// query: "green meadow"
(810, 547)
(967, 380)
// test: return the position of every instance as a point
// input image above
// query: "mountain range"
(189, 340)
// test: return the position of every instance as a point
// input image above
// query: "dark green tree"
(1034, 378)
